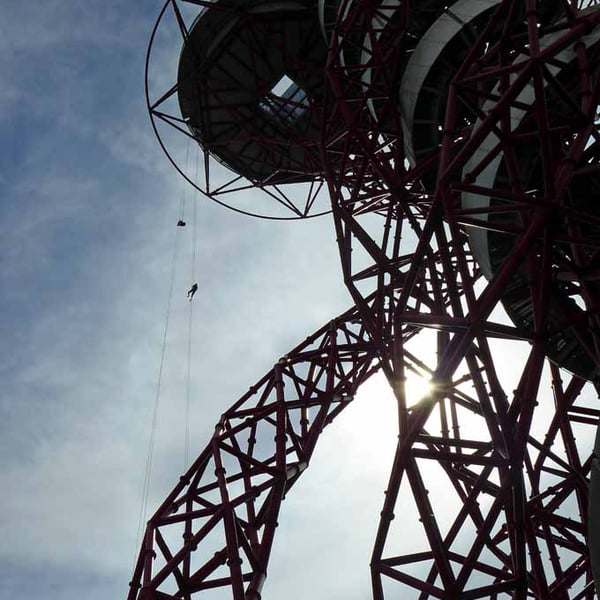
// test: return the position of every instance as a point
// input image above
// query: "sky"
(87, 220)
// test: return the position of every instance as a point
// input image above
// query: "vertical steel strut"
(517, 138)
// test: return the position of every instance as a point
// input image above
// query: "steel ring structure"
(460, 146)
(256, 115)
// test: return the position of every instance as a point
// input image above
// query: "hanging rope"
(153, 428)
(189, 334)
(182, 202)
(152, 437)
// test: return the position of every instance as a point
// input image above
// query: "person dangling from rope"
(192, 291)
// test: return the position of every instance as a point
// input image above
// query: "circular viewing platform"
(250, 81)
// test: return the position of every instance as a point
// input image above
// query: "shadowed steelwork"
(459, 142)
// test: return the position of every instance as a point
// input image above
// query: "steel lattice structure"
(460, 146)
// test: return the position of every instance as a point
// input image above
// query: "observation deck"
(250, 81)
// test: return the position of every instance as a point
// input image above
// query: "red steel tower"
(457, 145)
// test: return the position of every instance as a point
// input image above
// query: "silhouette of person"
(192, 291)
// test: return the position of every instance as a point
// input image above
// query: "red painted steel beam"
(460, 310)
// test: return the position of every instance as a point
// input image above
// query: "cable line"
(189, 332)
(153, 427)
(182, 202)
(154, 422)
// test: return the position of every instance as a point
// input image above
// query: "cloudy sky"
(87, 220)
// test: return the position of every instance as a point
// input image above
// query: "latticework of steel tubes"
(477, 232)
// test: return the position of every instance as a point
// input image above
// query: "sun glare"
(416, 388)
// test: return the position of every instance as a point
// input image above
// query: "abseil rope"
(152, 437)
(186, 452)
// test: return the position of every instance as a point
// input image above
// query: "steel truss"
(515, 538)
(471, 251)
(216, 528)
